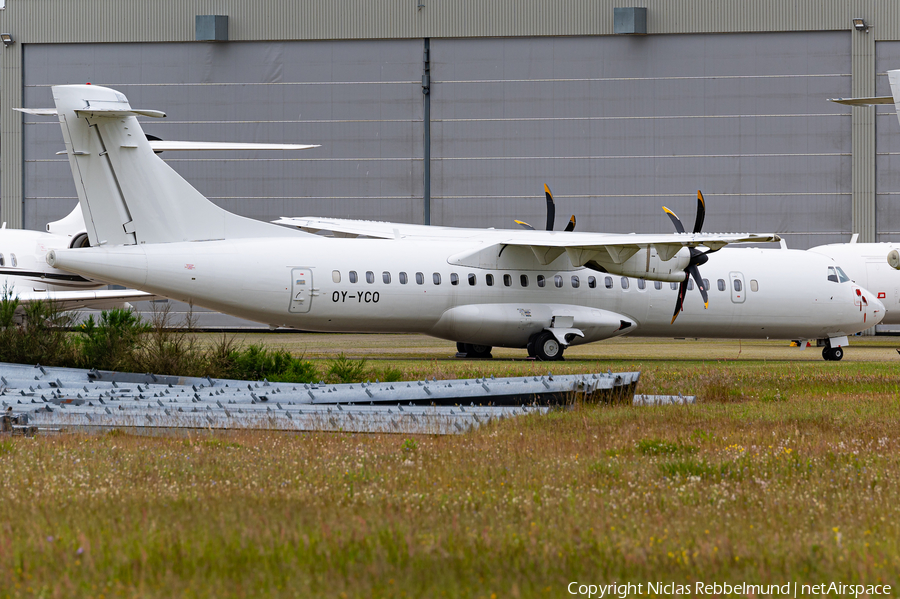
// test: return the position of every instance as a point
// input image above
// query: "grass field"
(786, 470)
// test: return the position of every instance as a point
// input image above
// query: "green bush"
(258, 362)
(34, 333)
(346, 370)
(113, 341)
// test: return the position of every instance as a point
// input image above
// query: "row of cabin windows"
(12, 260)
(541, 280)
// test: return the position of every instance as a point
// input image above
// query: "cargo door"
(301, 290)
(738, 289)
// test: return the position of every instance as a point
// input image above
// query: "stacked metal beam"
(67, 398)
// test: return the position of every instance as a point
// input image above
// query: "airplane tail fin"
(127, 193)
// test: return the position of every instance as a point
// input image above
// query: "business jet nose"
(871, 307)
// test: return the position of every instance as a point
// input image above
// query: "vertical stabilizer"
(127, 193)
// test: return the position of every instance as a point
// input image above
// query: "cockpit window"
(832, 274)
(842, 276)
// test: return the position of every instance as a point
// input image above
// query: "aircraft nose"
(871, 307)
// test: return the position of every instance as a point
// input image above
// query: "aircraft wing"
(72, 300)
(615, 248)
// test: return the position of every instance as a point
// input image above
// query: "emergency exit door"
(301, 290)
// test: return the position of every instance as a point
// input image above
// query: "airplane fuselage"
(23, 267)
(377, 285)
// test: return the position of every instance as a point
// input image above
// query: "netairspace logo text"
(790, 589)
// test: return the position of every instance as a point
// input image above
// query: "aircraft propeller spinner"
(697, 257)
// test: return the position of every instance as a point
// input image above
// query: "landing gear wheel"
(478, 351)
(530, 348)
(833, 354)
(547, 348)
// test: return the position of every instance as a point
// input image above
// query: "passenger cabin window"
(541, 281)
(576, 282)
(507, 280)
(624, 282)
(489, 280)
(436, 277)
(386, 277)
(454, 278)
(471, 278)
(657, 285)
(592, 282)
(690, 284)
(673, 286)
(642, 283)
(608, 282)
(352, 275)
(370, 277)
(523, 280)
(2, 260)
(721, 284)
(557, 281)
(336, 276)
(706, 284)
(403, 278)
(12, 260)
(737, 285)
(420, 279)
(754, 286)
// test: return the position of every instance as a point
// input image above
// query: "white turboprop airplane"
(873, 265)
(539, 290)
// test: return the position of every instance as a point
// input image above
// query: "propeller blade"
(701, 212)
(679, 228)
(524, 225)
(551, 208)
(570, 226)
(682, 289)
(695, 272)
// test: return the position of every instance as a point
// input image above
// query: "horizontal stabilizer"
(96, 112)
(37, 111)
(863, 101)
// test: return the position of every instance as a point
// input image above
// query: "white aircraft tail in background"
(539, 290)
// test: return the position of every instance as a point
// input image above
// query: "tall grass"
(749, 491)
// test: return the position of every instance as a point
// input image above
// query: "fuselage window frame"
(540, 280)
(386, 277)
(624, 283)
(471, 279)
(370, 277)
(352, 276)
(608, 282)
(420, 278)
(489, 280)
(592, 282)
(436, 278)
(336, 276)
(404, 279)
(720, 284)
(523, 280)
(454, 278)
(507, 280)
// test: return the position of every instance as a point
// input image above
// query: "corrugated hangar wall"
(616, 125)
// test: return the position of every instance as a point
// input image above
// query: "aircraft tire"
(461, 347)
(478, 351)
(547, 348)
(833, 354)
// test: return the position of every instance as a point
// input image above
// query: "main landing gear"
(833, 354)
(545, 347)
(473, 350)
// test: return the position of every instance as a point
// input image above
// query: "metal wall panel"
(85, 21)
(887, 147)
(361, 100)
(620, 126)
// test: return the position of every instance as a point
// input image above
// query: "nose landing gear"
(833, 354)
(545, 347)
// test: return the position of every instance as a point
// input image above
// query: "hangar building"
(456, 112)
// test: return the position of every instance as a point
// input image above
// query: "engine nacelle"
(646, 263)
(512, 325)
